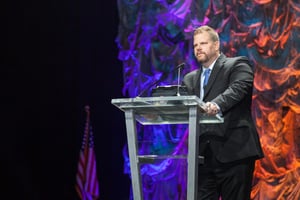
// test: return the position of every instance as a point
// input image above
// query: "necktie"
(206, 76)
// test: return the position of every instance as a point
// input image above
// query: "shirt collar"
(211, 66)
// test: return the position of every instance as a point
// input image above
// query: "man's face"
(205, 50)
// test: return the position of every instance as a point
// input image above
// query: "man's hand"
(212, 108)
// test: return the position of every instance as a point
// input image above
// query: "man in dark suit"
(231, 148)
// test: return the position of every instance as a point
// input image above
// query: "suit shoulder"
(191, 73)
(237, 58)
(191, 76)
(229, 61)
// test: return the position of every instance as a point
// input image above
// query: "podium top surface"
(128, 103)
(164, 110)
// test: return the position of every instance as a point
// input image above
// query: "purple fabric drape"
(156, 36)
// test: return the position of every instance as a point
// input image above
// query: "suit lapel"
(214, 73)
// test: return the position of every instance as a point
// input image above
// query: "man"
(231, 148)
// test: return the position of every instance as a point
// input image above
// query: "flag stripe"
(87, 185)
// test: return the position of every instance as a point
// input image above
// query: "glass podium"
(164, 110)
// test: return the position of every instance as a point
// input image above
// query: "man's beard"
(203, 58)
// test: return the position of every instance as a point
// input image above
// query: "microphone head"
(180, 66)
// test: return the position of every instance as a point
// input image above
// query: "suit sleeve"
(240, 76)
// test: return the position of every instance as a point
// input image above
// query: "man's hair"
(213, 34)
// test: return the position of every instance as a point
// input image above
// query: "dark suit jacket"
(230, 86)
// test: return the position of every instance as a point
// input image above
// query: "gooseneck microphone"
(163, 77)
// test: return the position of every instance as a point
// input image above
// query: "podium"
(164, 110)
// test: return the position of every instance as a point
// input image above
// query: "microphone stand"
(178, 80)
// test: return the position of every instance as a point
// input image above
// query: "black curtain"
(59, 56)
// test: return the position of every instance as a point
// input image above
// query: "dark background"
(57, 57)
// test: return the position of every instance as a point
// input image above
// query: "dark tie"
(206, 76)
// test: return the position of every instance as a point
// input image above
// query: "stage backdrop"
(156, 36)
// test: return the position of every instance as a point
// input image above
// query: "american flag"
(87, 185)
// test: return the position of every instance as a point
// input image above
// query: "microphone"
(163, 77)
(180, 66)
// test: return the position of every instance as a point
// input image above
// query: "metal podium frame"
(164, 110)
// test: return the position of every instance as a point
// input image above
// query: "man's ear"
(217, 46)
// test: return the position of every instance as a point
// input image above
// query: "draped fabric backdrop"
(155, 36)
